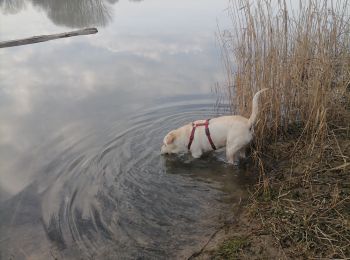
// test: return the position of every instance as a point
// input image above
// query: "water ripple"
(123, 199)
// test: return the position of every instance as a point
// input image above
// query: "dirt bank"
(301, 209)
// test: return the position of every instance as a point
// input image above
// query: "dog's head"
(173, 143)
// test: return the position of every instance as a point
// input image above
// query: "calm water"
(81, 125)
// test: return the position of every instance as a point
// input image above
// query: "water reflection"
(12, 6)
(81, 125)
(70, 13)
(76, 13)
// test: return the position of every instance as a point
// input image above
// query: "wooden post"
(44, 38)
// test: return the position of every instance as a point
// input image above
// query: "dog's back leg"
(236, 143)
(232, 154)
(241, 152)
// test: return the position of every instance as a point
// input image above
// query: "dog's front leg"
(196, 153)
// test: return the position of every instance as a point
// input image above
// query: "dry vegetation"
(301, 52)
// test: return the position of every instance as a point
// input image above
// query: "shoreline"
(302, 212)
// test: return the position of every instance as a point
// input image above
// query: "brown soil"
(251, 241)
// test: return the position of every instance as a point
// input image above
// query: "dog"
(235, 132)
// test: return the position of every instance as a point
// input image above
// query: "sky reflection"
(64, 102)
(72, 83)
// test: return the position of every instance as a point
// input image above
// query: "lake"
(82, 121)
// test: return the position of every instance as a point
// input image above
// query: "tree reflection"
(76, 13)
(11, 6)
(70, 13)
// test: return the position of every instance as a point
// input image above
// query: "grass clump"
(231, 248)
(301, 52)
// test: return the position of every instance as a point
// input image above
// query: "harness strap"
(191, 136)
(207, 133)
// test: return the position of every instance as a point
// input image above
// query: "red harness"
(194, 126)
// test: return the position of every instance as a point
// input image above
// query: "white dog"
(234, 132)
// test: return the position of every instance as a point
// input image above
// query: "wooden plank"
(44, 38)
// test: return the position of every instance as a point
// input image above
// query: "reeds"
(300, 50)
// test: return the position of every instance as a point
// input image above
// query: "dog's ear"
(169, 139)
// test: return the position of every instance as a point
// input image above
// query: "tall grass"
(301, 52)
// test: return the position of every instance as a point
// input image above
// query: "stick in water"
(44, 38)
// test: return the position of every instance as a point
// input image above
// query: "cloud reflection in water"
(64, 161)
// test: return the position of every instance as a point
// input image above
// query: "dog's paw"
(196, 155)
(233, 162)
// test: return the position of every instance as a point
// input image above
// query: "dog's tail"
(255, 108)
